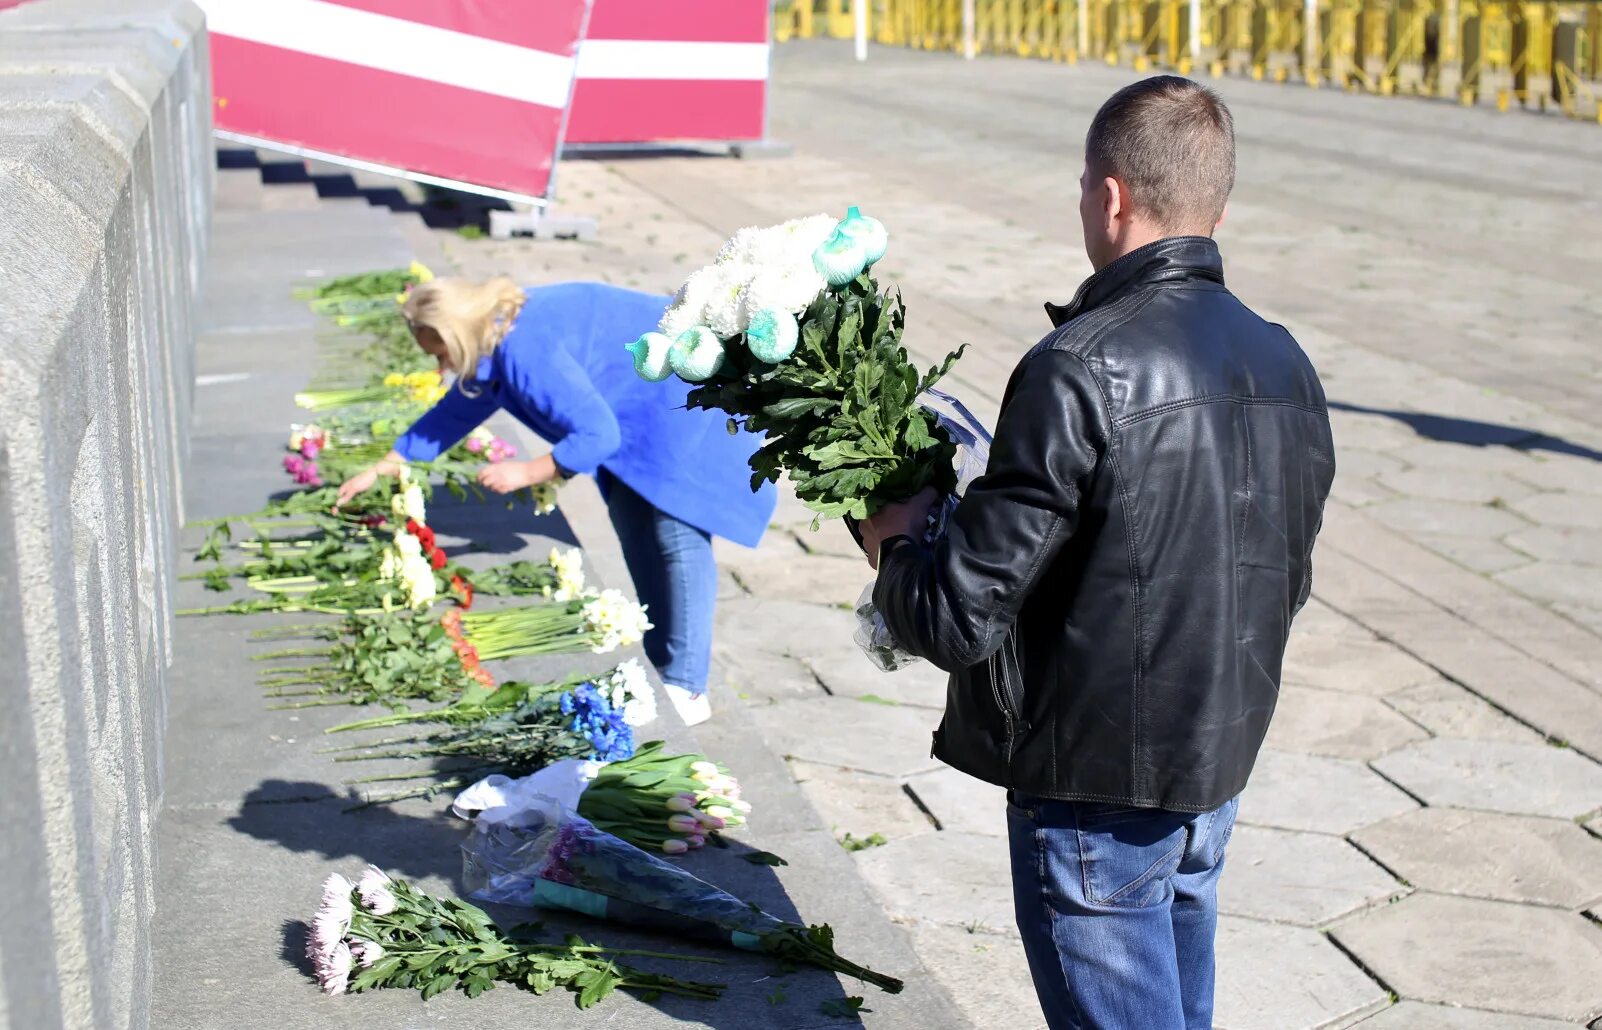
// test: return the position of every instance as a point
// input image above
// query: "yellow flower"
(420, 272)
(394, 379)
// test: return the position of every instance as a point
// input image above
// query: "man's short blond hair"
(1171, 142)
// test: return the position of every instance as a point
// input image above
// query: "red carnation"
(436, 558)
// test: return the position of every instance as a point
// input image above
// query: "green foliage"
(432, 945)
(841, 414)
(854, 843)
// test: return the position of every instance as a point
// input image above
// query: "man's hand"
(506, 476)
(905, 518)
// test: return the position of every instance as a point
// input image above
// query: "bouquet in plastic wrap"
(789, 334)
(973, 453)
(548, 857)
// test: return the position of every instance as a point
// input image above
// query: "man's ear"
(1221, 216)
(1114, 199)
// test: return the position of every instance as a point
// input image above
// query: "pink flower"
(674, 847)
(311, 448)
(683, 823)
(474, 444)
(696, 842)
(336, 895)
(367, 952)
(333, 972)
(375, 892)
(293, 463)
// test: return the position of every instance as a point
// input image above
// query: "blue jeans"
(1118, 907)
(676, 578)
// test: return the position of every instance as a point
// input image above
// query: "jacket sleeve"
(954, 602)
(454, 416)
(584, 429)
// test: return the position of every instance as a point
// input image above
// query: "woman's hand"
(363, 481)
(360, 483)
(505, 476)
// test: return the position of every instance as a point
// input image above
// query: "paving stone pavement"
(1421, 838)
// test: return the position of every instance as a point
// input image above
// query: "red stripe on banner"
(643, 111)
(553, 29)
(705, 21)
(382, 117)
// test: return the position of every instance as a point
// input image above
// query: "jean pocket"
(1129, 858)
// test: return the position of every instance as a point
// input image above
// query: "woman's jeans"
(1118, 908)
(676, 578)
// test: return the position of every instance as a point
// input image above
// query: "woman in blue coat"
(555, 357)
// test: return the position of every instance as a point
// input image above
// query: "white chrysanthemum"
(629, 690)
(741, 247)
(390, 567)
(418, 576)
(676, 320)
(569, 568)
(690, 301)
(804, 235)
(723, 311)
(790, 288)
(615, 621)
(407, 545)
(408, 503)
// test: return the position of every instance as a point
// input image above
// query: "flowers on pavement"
(383, 932)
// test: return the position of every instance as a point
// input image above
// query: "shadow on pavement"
(441, 208)
(1470, 433)
(762, 992)
(312, 818)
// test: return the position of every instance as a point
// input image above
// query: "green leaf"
(442, 982)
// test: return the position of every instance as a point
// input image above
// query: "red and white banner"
(462, 91)
(651, 70)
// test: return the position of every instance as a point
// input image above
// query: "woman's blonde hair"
(470, 317)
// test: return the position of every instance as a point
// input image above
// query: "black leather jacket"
(1113, 596)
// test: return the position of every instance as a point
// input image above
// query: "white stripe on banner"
(395, 45)
(657, 59)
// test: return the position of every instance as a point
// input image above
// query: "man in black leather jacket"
(1113, 596)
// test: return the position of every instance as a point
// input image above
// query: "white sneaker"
(694, 709)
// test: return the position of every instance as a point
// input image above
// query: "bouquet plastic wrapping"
(546, 856)
(973, 454)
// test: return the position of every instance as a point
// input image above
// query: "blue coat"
(564, 371)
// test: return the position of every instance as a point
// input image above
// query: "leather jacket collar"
(1169, 260)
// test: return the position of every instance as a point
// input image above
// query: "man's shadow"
(1471, 433)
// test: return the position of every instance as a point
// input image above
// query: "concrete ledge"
(105, 187)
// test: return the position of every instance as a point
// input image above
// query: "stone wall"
(105, 195)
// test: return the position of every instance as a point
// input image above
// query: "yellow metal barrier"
(1541, 53)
